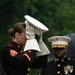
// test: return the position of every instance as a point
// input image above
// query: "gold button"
(18, 46)
(21, 51)
(68, 58)
(29, 51)
(28, 69)
(62, 60)
(58, 65)
(58, 72)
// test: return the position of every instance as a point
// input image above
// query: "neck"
(16, 41)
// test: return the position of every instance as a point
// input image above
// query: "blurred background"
(57, 15)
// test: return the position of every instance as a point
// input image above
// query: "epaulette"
(71, 58)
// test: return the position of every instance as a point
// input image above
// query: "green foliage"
(57, 15)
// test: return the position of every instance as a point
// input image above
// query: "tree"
(57, 15)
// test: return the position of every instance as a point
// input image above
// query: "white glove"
(38, 31)
(31, 43)
(30, 33)
(43, 47)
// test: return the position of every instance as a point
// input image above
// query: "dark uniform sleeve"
(21, 59)
(42, 72)
(47, 70)
(40, 62)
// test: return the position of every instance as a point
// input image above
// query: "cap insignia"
(56, 38)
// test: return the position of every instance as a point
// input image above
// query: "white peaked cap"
(39, 27)
(59, 41)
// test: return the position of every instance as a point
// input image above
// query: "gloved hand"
(38, 31)
(31, 43)
(30, 33)
(43, 48)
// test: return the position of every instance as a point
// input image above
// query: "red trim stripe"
(27, 56)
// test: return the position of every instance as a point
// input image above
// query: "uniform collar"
(13, 43)
(61, 60)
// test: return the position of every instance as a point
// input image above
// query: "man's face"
(59, 52)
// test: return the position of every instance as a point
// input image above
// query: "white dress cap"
(59, 41)
(39, 27)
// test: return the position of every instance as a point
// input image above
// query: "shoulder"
(51, 62)
(5, 46)
(6, 49)
(71, 58)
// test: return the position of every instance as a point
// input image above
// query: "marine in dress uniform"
(63, 65)
(24, 57)
(18, 65)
